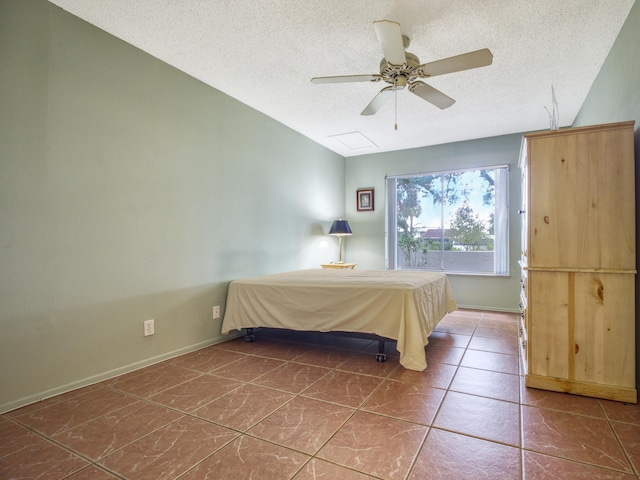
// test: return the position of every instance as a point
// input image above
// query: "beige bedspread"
(404, 305)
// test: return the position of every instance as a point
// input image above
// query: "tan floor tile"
(248, 369)
(104, 435)
(497, 345)
(320, 470)
(375, 445)
(91, 473)
(14, 437)
(56, 399)
(501, 386)
(486, 418)
(443, 354)
(415, 403)
(73, 411)
(436, 375)
(241, 409)
(292, 377)
(324, 356)
(41, 460)
(195, 393)
(621, 412)
(560, 401)
(447, 455)
(155, 380)
(505, 321)
(629, 436)
(344, 388)
(505, 334)
(207, 359)
(249, 458)
(496, 362)
(170, 451)
(574, 437)
(284, 350)
(544, 467)
(302, 424)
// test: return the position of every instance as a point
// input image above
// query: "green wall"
(615, 93)
(131, 191)
(367, 245)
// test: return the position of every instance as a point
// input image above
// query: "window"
(454, 222)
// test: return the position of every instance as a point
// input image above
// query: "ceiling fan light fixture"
(400, 82)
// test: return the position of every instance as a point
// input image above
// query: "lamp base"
(338, 266)
(340, 249)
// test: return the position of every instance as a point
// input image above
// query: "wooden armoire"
(578, 261)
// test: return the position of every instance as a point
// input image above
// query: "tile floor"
(313, 406)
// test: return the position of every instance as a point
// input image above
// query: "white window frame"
(501, 220)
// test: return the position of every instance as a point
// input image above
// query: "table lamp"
(340, 228)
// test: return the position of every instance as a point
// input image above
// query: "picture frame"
(365, 200)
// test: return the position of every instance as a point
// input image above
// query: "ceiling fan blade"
(466, 61)
(390, 38)
(378, 101)
(347, 79)
(431, 95)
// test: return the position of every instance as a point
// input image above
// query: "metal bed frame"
(380, 356)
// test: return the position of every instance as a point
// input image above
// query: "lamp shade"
(340, 227)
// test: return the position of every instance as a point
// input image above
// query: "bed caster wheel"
(248, 337)
(381, 357)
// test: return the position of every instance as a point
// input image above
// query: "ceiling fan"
(401, 69)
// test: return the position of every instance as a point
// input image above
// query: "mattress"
(403, 305)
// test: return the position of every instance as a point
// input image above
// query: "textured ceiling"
(264, 53)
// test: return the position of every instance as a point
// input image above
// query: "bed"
(403, 305)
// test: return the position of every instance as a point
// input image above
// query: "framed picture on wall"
(364, 199)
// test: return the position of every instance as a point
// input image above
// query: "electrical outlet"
(149, 328)
(216, 312)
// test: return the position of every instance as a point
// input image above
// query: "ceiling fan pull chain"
(395, 100)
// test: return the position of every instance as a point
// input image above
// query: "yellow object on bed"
(403, 305)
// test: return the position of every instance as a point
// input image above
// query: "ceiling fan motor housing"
(399, 75)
